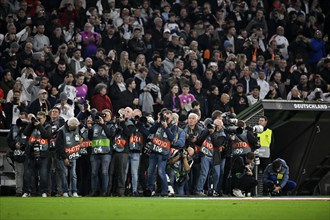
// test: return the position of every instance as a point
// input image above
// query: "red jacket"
(101, 102)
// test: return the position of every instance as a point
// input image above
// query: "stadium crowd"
(109, 92)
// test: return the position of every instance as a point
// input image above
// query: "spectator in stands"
(76, 62)
(90, 40)
(254, 97)
(7, 82)
(100, 100)
(224, 103)
(156, 66)
(317, 44)
(40, 40)
(56, 77)
(13, 108)
(262, 82)
(239, 101)
(40, 104)
(172, 100)
(247, 81)
(131, 96)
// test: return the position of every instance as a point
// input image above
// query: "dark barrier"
(302, 138)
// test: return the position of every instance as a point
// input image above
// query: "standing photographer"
(17, 143)
(211, 140)
(67, 147)
(37, 153)
(100, 133)
(118, 166)
(54, 168)
(193, 130)
(164, 133)
(244, 141)
(136, 144)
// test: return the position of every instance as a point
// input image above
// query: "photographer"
(276, 179)
(54, 168)
(212, 141)
(100, 133)
(136, 144)
(17, 143)
(164, 133)
(243, 141)
(178, 168)
(37, 153)
(124, 130)
(243, 179)
(67, 147)
(83, 162)
(193, 130)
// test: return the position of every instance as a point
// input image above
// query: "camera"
(34, 120)
(98, 116)
(210, 126)
(163, 117)
(36, 149)
(21, 122)
(229, 119)
(255, 129)
(142, 119)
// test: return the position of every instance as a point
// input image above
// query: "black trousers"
(118, 173)
(245, 183)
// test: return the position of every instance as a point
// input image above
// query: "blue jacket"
(271, 175)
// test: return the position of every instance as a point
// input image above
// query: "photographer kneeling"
(243, 179)
(212, 141)
(178, 168)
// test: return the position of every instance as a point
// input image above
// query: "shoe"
(215, 194)
(237, 193)
(75, 194)
(135, 194)
(93, 195)
(44, 195)
(58, 194)
(26, 195)
(200, 194)
(18, 194)
(65, 195)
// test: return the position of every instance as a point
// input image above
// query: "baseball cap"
(227, 43)
(41, 91)
(167, 30)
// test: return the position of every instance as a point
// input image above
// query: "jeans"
(134, 161)
(73, 176)
(178, 188)
(222, 172)
(206, 163)
(160, 161)
(97, 161)
(19, 173)
(32, 167)
(55, 179)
